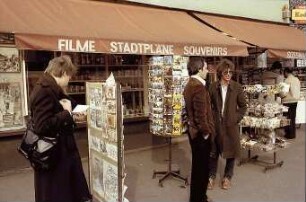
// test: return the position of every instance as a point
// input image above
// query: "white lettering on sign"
(205, 51)
(141, 48)
(76, 45)
(292, 54)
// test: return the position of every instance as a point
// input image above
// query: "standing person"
(273, 75)
(290, 100)
(229, 106)
(51, 114)
(200, 127)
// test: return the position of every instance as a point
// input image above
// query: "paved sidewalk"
(250, 183)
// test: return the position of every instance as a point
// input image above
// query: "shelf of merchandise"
(257, 132)
(129, 70)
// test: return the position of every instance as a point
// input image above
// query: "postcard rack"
(167, 77)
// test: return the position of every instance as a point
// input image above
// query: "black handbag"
(40, 151)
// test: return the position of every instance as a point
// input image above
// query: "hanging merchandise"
(168, 76)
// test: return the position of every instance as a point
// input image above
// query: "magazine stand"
(170, 172)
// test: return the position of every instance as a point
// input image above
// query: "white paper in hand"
(80, 109)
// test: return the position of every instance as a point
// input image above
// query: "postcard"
(80, 109)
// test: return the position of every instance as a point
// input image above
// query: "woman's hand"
(66, 105)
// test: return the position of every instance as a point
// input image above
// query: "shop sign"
(165, 49)
(205, 51)
(141, 48)
(292, 54)
(301, 63)
(90, 45)
(299, 15)
(75, 45)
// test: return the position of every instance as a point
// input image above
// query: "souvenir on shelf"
(105, 140)
(264, 115)
(267, 89)
(167, 77)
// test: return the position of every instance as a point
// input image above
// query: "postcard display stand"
(12, 106)
(105, 141)
(167, 77)
(264, 116)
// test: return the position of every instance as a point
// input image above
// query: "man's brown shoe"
(226, 184)
(211, 183)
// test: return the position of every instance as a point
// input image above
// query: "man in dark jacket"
(200, 127)
(229, 106)
(51, 114)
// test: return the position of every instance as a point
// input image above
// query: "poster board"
(168, 76)
(105, 141)
(12, 94)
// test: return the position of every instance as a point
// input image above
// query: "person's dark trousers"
(290, 130)
(199, 172)
(229, 167)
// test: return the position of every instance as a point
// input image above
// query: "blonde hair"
(60, 65)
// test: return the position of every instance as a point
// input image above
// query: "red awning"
(91, 26)
(280, 40)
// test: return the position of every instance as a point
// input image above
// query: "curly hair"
(224, 65)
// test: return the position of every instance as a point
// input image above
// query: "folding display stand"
(169, 172)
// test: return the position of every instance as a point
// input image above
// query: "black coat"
(66, 182)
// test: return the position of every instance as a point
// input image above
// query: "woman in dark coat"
(229, 106)
(51, 114)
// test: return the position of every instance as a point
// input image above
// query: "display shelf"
(77, 93)
(257, 128)
(125, 90)
(128, 70)
(12, 132)
(133, 118)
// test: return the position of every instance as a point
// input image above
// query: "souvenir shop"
(146, 51)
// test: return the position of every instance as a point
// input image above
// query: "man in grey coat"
(229, 106)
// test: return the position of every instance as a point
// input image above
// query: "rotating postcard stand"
(105, 141)
(167, 78)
